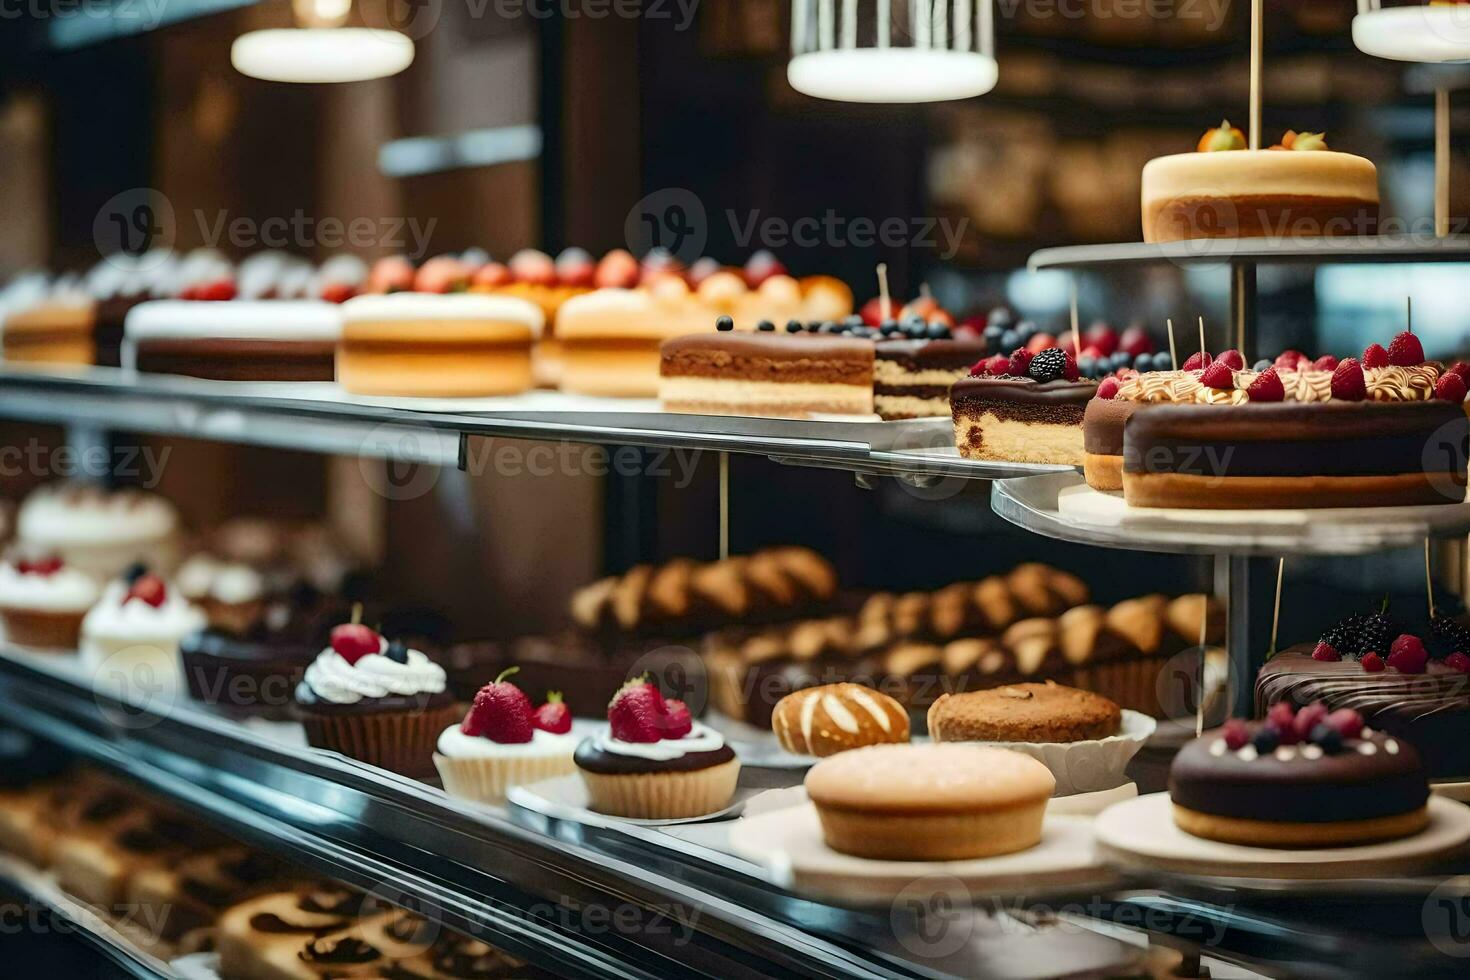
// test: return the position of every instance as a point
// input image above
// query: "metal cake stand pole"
(724, 505)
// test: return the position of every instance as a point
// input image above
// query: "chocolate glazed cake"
(1019, 420)
(912, 378)
(1429, 710)
(766, 374)
(234, 340)
(1102, 441)
(1338, 454)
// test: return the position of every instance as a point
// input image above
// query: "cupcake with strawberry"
(654, 762)
(131, 637)
(504, 741)
(42, 602)
(376, 701)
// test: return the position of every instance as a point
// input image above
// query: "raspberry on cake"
(762, 372)
(1307, 778)
(1297, 188)
(1029, 412)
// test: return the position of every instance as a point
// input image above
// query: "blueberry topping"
(828, 327)
(1329, 739)
(1010, 340)
(398, 652)
(1027, 330)
(1266, 740)
(1162, 362)
(1087, 366)
(1262, 364)
(938, 331)
(794, 326)
(765, 326)
(134, 572)
(725, 323)
(1000, 317)
(814, 326)
(855, 320)
(890, 327)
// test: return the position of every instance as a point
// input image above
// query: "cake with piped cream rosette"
(1299, 779)
(1298, 188)
(43, 601)
(653, 761)
(1385, 430)
(376, 701)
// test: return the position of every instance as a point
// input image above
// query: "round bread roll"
(823, 721)
(930, 802)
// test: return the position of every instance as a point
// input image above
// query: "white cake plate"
(788, 845)
(1063, 506)
(1430, 35)
(1141, 833)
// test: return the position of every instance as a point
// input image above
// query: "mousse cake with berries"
(765, 373)
(1383, 431)
(1414, 687)
(375, 701)
(504, 741)
(1296, 188)
(234, 340)
(42, 602)
(1300, 778)
(1026, 408)
(653, 761)
(131, 637)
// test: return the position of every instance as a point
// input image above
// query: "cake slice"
(766, 374)
(912, 378)
(1025, 410)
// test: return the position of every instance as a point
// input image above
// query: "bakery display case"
(443, 607)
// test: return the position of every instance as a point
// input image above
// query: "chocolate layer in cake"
(1431, 711)
(1102, 441)
(912, 378)
(1338, 454)
(1011, 419)
(767, 374)
(239, 360)
(595, 760)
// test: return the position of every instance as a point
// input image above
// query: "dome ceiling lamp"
(892, 51)
(321, 49)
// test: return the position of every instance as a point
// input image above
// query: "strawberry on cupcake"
(654, 761)
(504, 741)
(130, 639)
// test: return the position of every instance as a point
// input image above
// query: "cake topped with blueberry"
(1025, 407)
(1308, 777)
(1413, 683)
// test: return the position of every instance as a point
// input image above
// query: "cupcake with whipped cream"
(378, 702)
(504, 742)
(99, 531)
(232, 594)
(654, 762)
(43, 601)
(131, 637)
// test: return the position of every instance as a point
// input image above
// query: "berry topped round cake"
(1381, 431)
(1414, 685)
(1297, 188)
(1308, 778)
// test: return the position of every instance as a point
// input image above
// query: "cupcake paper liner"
(43, 629)
(400, 741)
(663, 795)
(487, 779)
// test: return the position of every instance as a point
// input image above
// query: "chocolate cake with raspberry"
(1386, 430)
(1022, 409)
(1413, 686)
(1307, 778)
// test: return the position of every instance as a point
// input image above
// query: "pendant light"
(892, 50)
(321, 49)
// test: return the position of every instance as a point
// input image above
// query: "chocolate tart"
(1431, 711)
(1019, 420)
(1293, 454)
(1374, 788)
(912, 378)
